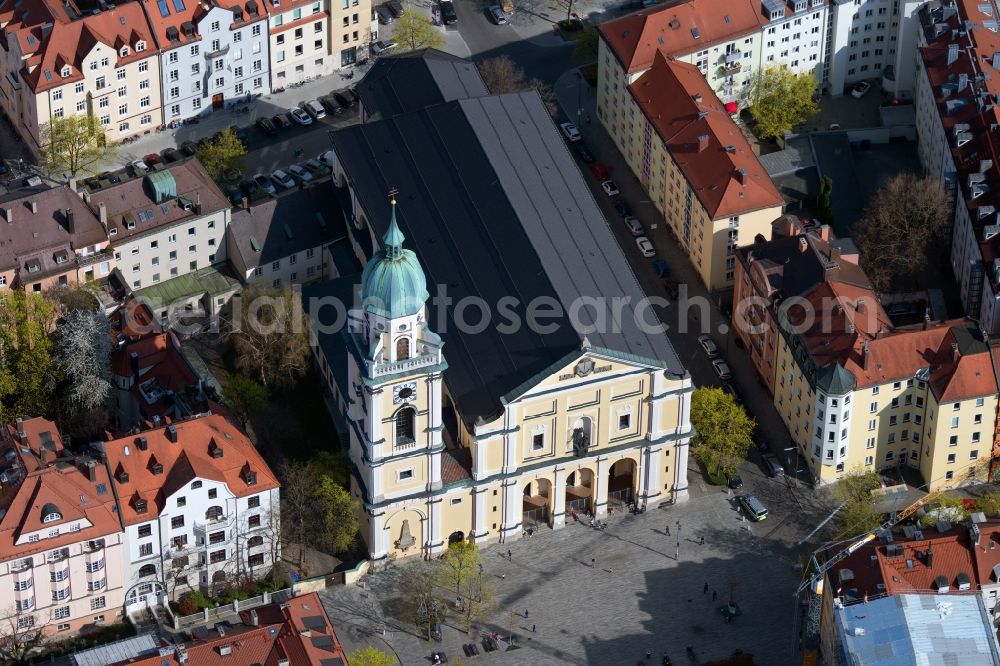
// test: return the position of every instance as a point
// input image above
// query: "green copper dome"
(393, 283)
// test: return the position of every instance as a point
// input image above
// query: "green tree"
(989, 504)
(857, 515)
(899, 230)
(74, 143)
(339, 513)
(243, 396)
(460, 562)
(413, 31)
(824, 205)
(371, 656)
(27, 372)
(724, 430)
(781, 99)
(586, 45)
(224, 152)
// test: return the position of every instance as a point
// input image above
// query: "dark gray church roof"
(416, 80)
(494, 206)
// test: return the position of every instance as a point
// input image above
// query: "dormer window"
(124, 52)
(140, 46)
(140, 506)
(65, 71)
(51, 513)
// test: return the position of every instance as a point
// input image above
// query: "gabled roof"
(678, 28)
(703, 140)
(412, 81)
(506, 200)
(188, 458)
(835, 380)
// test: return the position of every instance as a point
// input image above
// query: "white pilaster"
(657, 405)
(649, 483)
(680, 471)
(376, 482)
(374, 421)
(434, 408)
(559, 498)
(378, 537)
(601, 499)
(433, 543)
(434, 470)
(480, 526)
(510, 441)
(513, 510)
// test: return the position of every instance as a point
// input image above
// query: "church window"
(404, 426)
(402, 349)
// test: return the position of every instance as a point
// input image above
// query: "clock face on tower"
(404, 393)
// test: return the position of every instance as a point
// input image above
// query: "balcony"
(85, 260)
(216, 54)
(412, 363)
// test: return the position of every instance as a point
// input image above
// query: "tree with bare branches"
(83, 353)
(501, 75)
(19, 635)
(270, 333)
(898, 230)
(298, 484)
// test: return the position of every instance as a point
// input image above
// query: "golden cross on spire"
(392, 194)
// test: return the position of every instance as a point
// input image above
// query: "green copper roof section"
(835, 379)
(163, 184)
(393, 283)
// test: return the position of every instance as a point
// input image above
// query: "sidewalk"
(573, 92)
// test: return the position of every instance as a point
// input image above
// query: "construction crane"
(815, 582)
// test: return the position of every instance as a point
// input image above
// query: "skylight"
(164, 10)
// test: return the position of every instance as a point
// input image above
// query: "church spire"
(393, 239)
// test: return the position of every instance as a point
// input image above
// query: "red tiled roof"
(182, 461)
(679, 29)
(33, 483)
(709, 148)
(133, 319)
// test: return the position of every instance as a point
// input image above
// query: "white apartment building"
(211, 53)
(794, 34)
(200, 508)
(60, 63)
(164, 225)
(312, 38)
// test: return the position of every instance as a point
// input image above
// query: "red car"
(151, 159)
(598, 170)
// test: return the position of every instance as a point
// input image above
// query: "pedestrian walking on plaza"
(508, 555)
(705, 591)
(503, 576)
(532, 628)
(702, 542)
(525, 613)
(667, 529)
(593, 563)
(715, 594)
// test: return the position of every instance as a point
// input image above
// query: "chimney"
(929, 557)
(741, 176)
(803, 244)
(71, 183)
(20, 429)
(952, 53)
(253, 618)
(246, 203)
(172, 433)
(197, 204)
(835, 254)
(102, 213)
(34, 206)
(133, 359)
(91, 470)
(8, 214)
(864, 355)
(696, 97)
(702, 142)
(927, 318)
(69, 220)
(954, 352)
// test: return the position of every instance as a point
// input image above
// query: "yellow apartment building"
(856, 393)
(700, 172)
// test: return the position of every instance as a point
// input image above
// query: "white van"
(314, 109)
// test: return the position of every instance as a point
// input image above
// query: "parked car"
(774, 467)
(283, 180)
(610, 188)
(111, 177)
(300, 173)
(300, 116)
(734, 481)
(331, 104)
(251, 189)
(570, 131)
(231, 175)
(731, 389)
(189, 148)
(396, 7)
(584, 154)
(242, 135)
(497, 15)
(634, 225)
(234, 194)
(761, 444)
(753, 507)
(662, 268)
(645, 246)
(383, 46)
(448, 15)
(266, 125)
(722, 369)
(316, 168)
(171, 155)
(383, 14)
(598, 170)
(345, 100)
(622, 208)
(314, 109)
(326, 158)
(265, 184)
(281, 121)
(708, 346)
(139, 167)
(860, 89)
(152, 159)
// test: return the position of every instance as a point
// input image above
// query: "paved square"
(638, 597)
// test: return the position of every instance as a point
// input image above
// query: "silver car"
(282, 179)
(497, 15)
